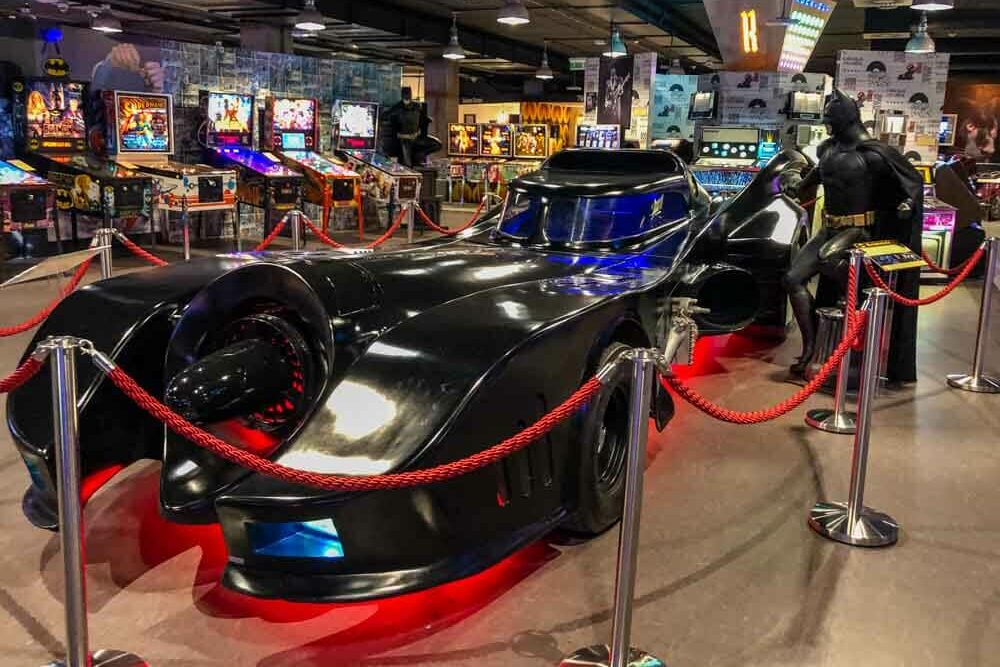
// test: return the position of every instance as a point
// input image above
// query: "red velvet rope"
(945, 291)
(141, 253)
(759, 416)
(954, 271)
(451, 232)
(21, 374)
(269, 239)
(851, 307)
(40, 317)
(389, 232)
(333, 482)
(320, 234)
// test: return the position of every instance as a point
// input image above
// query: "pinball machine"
(27, 204)
(291, 130)
(263, 182)
(139, 134)
(51, 130)
(385, 182)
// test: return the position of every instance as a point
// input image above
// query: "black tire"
(603, 444)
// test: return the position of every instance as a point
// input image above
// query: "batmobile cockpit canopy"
(597, 198)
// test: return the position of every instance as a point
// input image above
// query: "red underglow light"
(246, 437)
(127, 535)
(92, 483)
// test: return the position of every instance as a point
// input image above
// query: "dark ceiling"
(408, 31)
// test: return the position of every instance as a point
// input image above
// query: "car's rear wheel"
(603, 445)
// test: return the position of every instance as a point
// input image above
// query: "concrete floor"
(730, 575)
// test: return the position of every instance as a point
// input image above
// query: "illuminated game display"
(704, 106)
(946, 132)
(495, 140)
(728, 158)
(292, 129)
(292, 123)
(530, 141)
(53, 115)
(358, 126)
(143, 123)
(230, 119)
(599, 136)
(463, 140)
(805, 106)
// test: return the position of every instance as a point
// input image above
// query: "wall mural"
(912, 83)
(978, 108)
(671, 99)
(565, 116)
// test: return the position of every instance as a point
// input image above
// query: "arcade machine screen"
(230, 119)
(805, 106)
(463, 140)
(143, 123)
(598, 136)
(727, 158)
(704, 106)
(530, 141)
(946, 132)
(358, 126)
(293, 123)
(54, 116)
(496, 140)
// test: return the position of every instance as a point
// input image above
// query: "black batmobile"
(362, 364)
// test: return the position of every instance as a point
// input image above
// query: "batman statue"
(871, 193)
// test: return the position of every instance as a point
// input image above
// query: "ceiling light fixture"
(545, 72)
(454, 50)
(309, 19)
(616, 47)
(921, 42)
(104, 21)
(783, 20)
(513, 12)
(933, 5)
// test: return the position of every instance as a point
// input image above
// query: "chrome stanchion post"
(105, 236)
(66, 435)
(851, 522)
(186, 228)
(839, 419)
(620, 653)
(977, 381)
(409, 221)
(296, 229)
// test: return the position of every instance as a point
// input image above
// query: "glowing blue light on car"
(296, 539)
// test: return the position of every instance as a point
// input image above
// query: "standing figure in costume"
(408, 124)
(872, 192)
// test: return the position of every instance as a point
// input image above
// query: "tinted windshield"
(552, 219)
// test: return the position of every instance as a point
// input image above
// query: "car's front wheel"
(603, 443)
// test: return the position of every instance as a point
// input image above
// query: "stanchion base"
(105, 658)
(600, 656)
(845, 423)
(982, 384)
(873, 529)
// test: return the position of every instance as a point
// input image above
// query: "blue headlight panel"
(296, 539)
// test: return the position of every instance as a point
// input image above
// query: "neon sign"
(748, 29)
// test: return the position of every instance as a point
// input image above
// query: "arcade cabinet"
(599, 136)
(51, 131)
(727, 158)
(291, 129)
(940, 220)
(262, 180)
(805, 115)
(463, 150)
(139, 134)
(386, 182)
(27, 206)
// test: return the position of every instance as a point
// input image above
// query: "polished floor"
(730, 575)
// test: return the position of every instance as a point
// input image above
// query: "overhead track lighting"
(309, 19)
(616, 46)
(513, 12)
(921, 42)
(545, 72)
(932, 5)
(104, 21)
(454, 50)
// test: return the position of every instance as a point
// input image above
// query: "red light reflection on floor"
(126, 534)
(710, 349)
